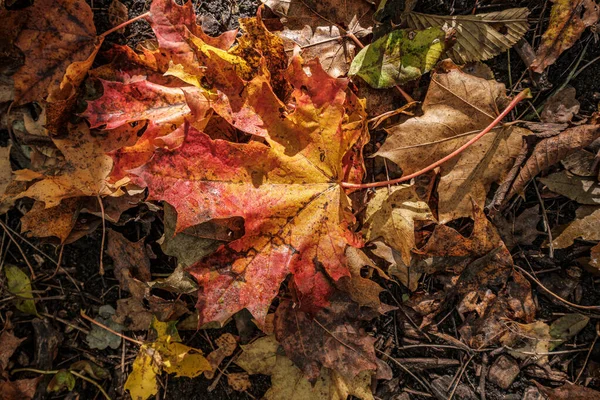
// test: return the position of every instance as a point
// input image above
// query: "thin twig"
(85, 378)
(124, 24)
(101, 269)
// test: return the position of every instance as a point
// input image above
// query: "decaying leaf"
(58, 41)
(117, 14)
(132, 265)
(585, 226)
(22, 389)
(408, 275)
(226, 345)
(398, 57)
(569, 391)
(568, 20)
(560, 107)
(577, 188)
(478, 37)
(62, 380)
(457, 106)
(5, 170)
(287, 381)
(551, 150)
(56, 221)
(100, 338)
(332, 339)
(8, 345)
(167, 354)
(19, 285)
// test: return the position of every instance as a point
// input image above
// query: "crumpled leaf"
(319, 29)
(585, 226)
(577, 188)
(56, 221)
(568, 20)
(294, 209)
(390, 216)
(287, 381)
(561, 106)
(19, 285)
(58, 40)
(5, 169)
(22, 389)
(478, 37)
(62, 380)
(569, 391)
(99, 338)
(398, 57)
(456, 107)
(178, 282)
(580, 163)
(166, 354)
(239, 381)
(331, 339)
(91, 369)
(551, 150)
(132, 265)
(117, 14)
(407, 274)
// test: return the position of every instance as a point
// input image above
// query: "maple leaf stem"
(525, 94)
(124, 24)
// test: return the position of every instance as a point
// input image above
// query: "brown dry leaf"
(82, 173)
(319, 29)
(569, 392)
(5, 169)
(226, 345)
(56, 221)
(390, 216)
(595, 256)
(586, 226)
(580, 163)
(58, 38)
(580, 189)
(23, 389)
(287, 381)
(132, 265)
(408, 275)
(551, 150)
(8, 345)
(332, 338)
(457, 106)
(561, 107)
(132, 314)
(568, 20)
(520, 230)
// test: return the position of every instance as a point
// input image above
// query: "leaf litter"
(226, 172)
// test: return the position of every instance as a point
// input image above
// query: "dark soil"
(81, 258)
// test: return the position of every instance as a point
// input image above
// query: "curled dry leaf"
(586, 226)
(551, 150)
(287, 381)
(457, 106)
(577, 188)
(560, 107)
(568, 20)
(321, 29)
(59, 43)
(478, 37)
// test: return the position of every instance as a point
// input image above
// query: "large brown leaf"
(456, 108)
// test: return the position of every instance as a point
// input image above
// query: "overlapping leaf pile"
(251, 155)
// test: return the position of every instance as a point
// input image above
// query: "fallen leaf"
(117, 14)
(560, 107)
(595, 256)
(456, 107)
(398, 57)
(5, 168)
(519, 230)
(299, 173)
(226, 345)
(390, 216)
(22, 389)
(551, 150)
(62, 380)
(332, 339)
(57, 38)
(407, 274)
(585, 226)
(91, 369)
(478, 37)
(321, 29)
(568, 20)
(8, 345)
(569, 391)
(580, 163)
(132, 265)
(19, 285)
(100, 338)
(287, 380)
(133, 315)
(56, 221)
(178, 282)
(166, 354)
(577, 188)
(239, 381)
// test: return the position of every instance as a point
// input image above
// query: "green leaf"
(565, 328)
(100, 338)
(398, 57)
(20, 286)
(62, 380)
(91, 369)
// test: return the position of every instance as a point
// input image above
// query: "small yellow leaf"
(141, 383)
(182, 360)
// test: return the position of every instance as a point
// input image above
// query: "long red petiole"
(124, 24)
(525, 94)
